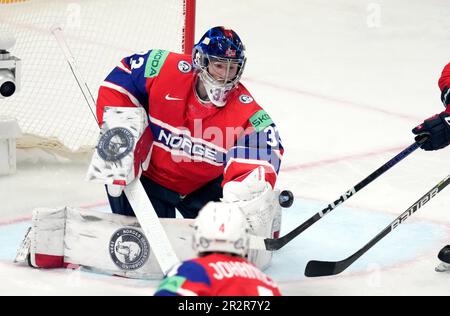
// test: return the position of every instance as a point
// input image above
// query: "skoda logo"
(184, 66)
(115, 144)
(129, 249)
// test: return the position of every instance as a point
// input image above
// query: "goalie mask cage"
(50, 107)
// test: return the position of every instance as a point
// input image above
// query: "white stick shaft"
(151, 226)
(59, 36)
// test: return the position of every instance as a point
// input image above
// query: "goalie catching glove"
(254, 195)
(259, 203)
(246, 187)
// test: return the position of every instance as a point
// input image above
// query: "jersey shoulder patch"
(260, 120)
(155, 62)
(184, 66)
(245, 98)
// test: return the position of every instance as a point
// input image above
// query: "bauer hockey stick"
(139, 201)
(317, 268)
(277, 243)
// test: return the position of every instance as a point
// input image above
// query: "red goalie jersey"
(194, 142)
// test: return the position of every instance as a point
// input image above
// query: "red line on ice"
(343, 102)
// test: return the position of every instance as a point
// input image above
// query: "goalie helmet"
(221, 227)
(222, 46)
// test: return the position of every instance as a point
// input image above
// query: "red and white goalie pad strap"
(124, 147)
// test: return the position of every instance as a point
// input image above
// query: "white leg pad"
(106, 243)
(114, 244)
(47, 238)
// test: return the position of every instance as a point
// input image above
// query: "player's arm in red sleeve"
(444, 85)
(259, 146)
(126, 86)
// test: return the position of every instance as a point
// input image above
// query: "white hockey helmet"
(221, 227)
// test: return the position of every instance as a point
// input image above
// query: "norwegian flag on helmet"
(230, 52)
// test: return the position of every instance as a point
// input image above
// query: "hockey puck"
(286, 198)
(444, 254)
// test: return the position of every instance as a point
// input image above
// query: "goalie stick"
(277, 243)
(317, 268)
(142, 207)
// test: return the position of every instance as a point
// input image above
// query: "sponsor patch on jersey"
(246, 99)
(155, 62)
(260, 120)
(129, 249)
(184, 66)
(115, 144)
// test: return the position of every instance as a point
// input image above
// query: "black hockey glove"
(437, 128)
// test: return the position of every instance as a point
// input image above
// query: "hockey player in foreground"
(221, 240)
(437, 128)
(207, 131)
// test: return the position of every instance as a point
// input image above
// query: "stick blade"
(316, 268)
(273, 244)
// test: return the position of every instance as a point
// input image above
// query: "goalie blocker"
(123, 149)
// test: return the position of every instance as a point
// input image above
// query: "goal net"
(50, 107)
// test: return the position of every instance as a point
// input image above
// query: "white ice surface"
(345, 81)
